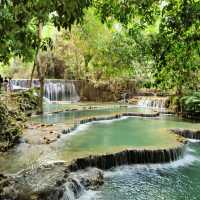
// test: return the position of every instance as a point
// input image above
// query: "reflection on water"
(176, 181)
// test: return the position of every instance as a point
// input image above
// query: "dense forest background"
(154, 43)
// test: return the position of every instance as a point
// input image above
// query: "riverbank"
(14, 110)
(59, 188)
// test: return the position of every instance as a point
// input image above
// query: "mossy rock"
(11, 130)
(27, 100)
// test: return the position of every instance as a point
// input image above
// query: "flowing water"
(54, 89)
(95, 138)
(174, 181)
(73, 116)
(152, 102)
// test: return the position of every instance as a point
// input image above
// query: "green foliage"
(27, 100)
(167, 37)
(126, 11)
(191, 102)
(95, 52)
(10, 131)
(175, 49)
(19, 20)
(158, 41)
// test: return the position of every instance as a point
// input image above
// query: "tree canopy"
(156, 41)
(19, 20)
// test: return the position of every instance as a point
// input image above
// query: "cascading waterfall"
(73, 189)
(55, 90)
(152, 102)
(129, 157)
(61, 90)
(23, 84)
(50, 182)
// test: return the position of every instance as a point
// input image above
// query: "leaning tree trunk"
(32, 73)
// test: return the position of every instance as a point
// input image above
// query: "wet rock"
(187, 133)
(27, 101)
(127, 157)
(50, 182)
(11, 130)
(66, 131)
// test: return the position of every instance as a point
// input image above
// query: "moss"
(27, 101)
(11, 130)
(13, 115)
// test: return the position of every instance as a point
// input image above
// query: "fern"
(191, 102)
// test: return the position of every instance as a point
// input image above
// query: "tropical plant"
(191, 102)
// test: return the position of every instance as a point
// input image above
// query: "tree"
(94, 51)
(26, 21)
(171, 51)
(175, 49)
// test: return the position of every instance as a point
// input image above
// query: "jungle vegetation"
(156, 43)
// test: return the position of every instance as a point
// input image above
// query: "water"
(95, 138)
(61, 90)
(152, 102)
(55, 90)
(176, 181)
(74, 116)
(118, 135)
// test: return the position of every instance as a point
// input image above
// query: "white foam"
(89, 195)
(193, 141)
(187, 160)
(82, 127)
(110, 121)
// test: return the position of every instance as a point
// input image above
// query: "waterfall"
(129, 157)
(23, 84)
(54, 90)
(73, 189)
(61, 90)
(152, 102)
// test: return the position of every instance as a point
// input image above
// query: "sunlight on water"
(178, 180)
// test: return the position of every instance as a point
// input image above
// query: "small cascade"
(152, 102)
(55, 90)
(187, 133)
(50, 182)
(61, 90)
(73, 189)
(23, 84)
(128, 157)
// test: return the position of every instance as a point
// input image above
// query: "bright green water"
(74, 116)
(95, 138)
(105, 137)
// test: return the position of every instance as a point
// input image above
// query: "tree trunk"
(41, 75)
(32, 73)
(179, 93)
(42, 80)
